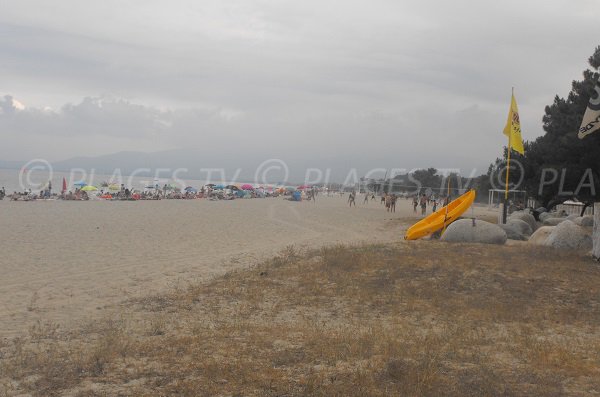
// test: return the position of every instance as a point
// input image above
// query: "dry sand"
(67, 262)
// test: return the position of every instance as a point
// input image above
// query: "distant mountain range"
(197, 164)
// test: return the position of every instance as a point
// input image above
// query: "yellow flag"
(513, 128)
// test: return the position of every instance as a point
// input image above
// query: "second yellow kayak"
(439, 219)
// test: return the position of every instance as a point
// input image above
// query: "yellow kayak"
(440, 218)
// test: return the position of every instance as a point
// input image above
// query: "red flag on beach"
(64, 189)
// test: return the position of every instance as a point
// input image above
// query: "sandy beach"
(65, 262)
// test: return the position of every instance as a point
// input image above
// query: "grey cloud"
(418, 83)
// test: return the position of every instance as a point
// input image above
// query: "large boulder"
(474, 231)
(512, 233)
(526, 217)
(553, 221)
(572, 217)
(586, 221)
(567, 235)
(520, 225)
(539, 236)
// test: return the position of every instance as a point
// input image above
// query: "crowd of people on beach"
(389, 201)
(210, 191)
(423, 201)
(220, 192)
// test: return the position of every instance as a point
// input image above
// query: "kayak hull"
(440, 219)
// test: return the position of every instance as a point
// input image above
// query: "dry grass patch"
(423, 318)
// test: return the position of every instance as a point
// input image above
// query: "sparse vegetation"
(406, 319)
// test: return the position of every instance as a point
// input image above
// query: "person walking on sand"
(366, 200)
(351, 199)
(434, 207)
(415, 204)
(388, 202)
(393, 203)
(423, 204)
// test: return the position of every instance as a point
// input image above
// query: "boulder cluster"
(553, 229)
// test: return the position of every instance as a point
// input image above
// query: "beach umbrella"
(80, 184)
(89, 188)
(210, 184)
(232, 187)
(247, 186)
(290, 188)
(303, 187)
(64, 185)
(114, 187)
(191, 189)
(220, 187)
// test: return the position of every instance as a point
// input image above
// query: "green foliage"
(426, 180)
(574, 161)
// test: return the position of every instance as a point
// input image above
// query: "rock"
(567, 235)
(586, 221)
(526, 217)
(474, 231)
(512, 233)
(572, 217)
(539, 236)
(553, 221)
(537, 212)
(545, 215)
(521, 226)
(562, 213)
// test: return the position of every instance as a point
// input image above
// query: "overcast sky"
(393, 83)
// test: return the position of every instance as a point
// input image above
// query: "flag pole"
(507, 170)
(505, 209)
(505, 206)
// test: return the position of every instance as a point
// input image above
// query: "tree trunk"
(596, 234)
